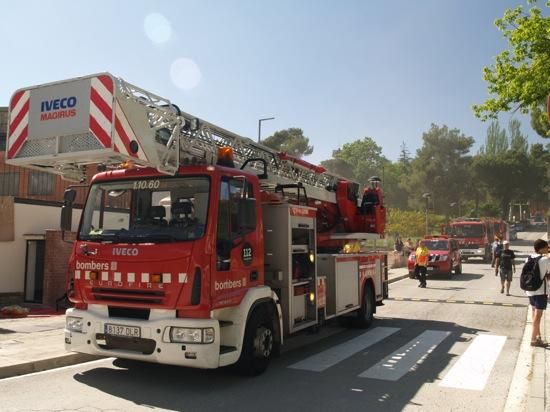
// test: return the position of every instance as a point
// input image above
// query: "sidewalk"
(36, 343)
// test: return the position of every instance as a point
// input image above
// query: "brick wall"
(56, 259)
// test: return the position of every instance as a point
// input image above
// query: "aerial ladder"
(108, 121)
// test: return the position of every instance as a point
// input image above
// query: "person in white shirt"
(538, 299)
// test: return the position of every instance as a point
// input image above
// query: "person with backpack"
(504, 260)
(532, 280)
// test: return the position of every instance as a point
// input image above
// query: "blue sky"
(341, 71)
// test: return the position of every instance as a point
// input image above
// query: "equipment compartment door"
(347, 284)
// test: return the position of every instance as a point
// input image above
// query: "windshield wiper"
(142, 237)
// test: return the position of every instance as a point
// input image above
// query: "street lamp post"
(260, 126)
(427, 196)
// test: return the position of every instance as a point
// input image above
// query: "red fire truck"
(196, 247)
(475, 235)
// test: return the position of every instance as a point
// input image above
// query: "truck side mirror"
(67, 210)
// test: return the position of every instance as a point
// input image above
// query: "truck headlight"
(191, 335)
(74, 323)
(443, 258)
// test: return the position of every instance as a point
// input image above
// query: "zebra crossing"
(471, 370)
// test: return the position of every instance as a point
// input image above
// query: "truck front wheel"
(259, 343)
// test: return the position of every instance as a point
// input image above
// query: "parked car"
(520, 227)
(445, 257)
(538, 222)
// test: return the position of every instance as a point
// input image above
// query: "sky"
(339, 70)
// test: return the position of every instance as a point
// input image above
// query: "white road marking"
(330, 357)
(472, 369)
(405, 359)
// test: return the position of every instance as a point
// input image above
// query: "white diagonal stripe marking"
(474, 366)
(129, 132)
(17, 132)
(100, 88)
(100, 118)
(405, 359)
(17, 108)
(336, 354)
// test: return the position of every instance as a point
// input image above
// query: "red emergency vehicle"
(196, 246)
(444, 259)
(475, 236)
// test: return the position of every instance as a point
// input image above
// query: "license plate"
(122, 330)
(430, 268)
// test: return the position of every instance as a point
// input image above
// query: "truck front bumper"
(149, 341)
(472, 253)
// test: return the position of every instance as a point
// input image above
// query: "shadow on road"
(282, 389)
(461, 277)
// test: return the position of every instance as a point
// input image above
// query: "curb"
(46, 364)
(527, 388)
(397, 278)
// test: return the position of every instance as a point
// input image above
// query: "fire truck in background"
(196, 247)
(475, 235)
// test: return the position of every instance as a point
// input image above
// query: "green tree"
(504, 176)
(339, 167)
(519, 80)
(441, 168)
(496, 140)
(291, 141)
(539, 120)
(364, 156)
(518, 142)
(404, 154)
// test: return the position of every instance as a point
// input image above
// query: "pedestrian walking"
(408, 247)
(538, 299)
(496, 247)
(504, 261)
(398, 245)
(421, 265)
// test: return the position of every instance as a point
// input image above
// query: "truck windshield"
(437, 244)
(148, 210)
(467, 230)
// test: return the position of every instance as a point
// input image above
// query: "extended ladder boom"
(100, 119)
(60, 127)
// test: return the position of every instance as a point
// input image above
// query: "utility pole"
(427, 196)
(260, 127)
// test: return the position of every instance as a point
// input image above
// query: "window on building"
(9, 184)
(41, 183)
(2, 139)
(3, 129)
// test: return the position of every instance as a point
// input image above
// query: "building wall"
(28, 219)
(38, 197)
(56, 261)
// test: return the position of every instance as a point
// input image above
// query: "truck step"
(227, 349)
(224, 323)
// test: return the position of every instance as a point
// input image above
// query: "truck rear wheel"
(258, 344)
(365, 314)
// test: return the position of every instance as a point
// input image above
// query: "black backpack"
(530, 275)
